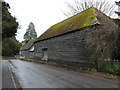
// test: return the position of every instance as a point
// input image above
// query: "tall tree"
(30, 32)
(9, 23)
(81, 5)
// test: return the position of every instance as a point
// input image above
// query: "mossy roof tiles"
(80, 20)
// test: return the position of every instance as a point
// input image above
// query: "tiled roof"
(80, 20)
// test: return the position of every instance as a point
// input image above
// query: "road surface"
(7, 81)
(33, 75)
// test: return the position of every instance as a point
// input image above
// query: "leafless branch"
(80, 5)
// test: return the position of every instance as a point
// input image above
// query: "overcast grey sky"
(43, 13)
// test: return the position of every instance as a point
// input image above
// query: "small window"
(31, 49)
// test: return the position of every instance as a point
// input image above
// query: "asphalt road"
(7, 81)
(0, 74)
(33, 75)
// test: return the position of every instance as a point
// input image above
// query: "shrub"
(10, 47)
(112, 67)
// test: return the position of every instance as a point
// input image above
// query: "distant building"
(65, 42)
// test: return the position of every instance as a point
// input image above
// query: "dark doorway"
(45, 54)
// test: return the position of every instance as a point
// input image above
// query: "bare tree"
(81, 5)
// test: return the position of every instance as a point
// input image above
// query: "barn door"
(45, 54)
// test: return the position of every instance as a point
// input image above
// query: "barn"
(65, 42)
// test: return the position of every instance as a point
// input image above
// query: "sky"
(43, 13)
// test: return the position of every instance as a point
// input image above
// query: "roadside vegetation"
(111, 67)
(10, 46)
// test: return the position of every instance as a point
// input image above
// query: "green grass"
(111, 67)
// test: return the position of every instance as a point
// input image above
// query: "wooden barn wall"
(69, 47)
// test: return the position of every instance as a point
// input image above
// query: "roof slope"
(80, 20)
(28, 44)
